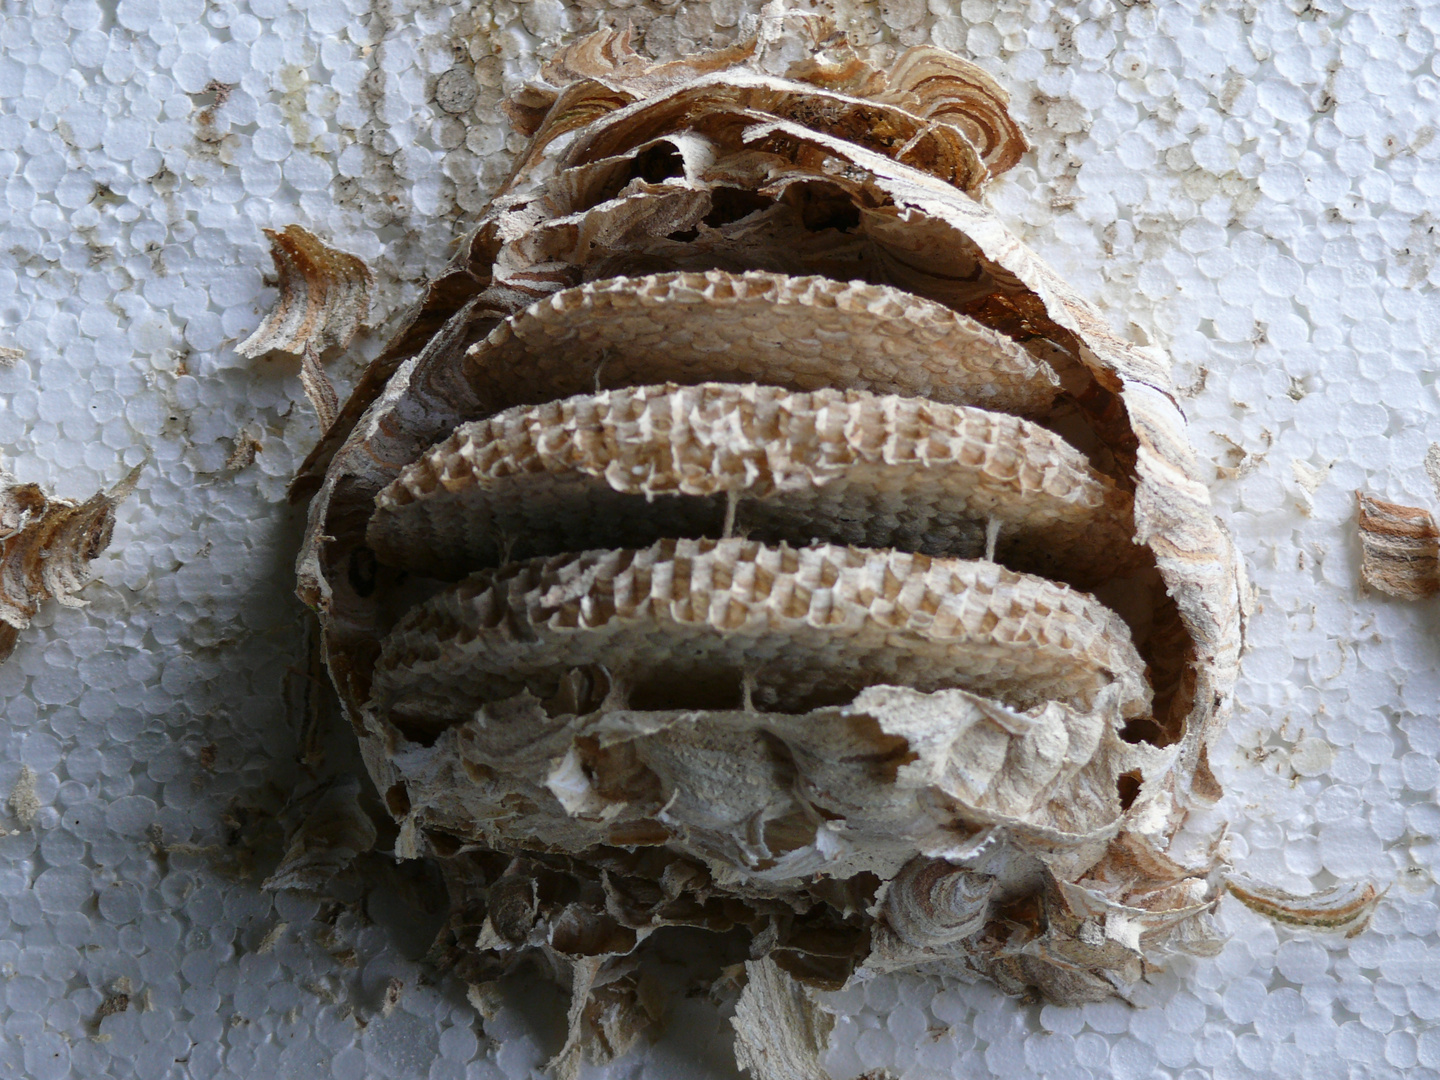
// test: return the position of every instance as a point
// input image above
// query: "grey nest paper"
(747, 532)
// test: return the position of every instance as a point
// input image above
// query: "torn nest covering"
(578, 542)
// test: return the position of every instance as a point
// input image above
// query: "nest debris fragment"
(578, 546)
(323, 303)
(46, 547)
(1400, 548)
(324, 296)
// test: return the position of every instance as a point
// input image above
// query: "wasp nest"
(747, 530)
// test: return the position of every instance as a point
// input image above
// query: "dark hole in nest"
(824, 206)
(1144, 729)
(661, 162)
(363, 571)
(665, 690)
(1170, 664)
(733, 204)
(727, 205)
(443, 844)
(416, 731)
(1128, 785)
(397, 800)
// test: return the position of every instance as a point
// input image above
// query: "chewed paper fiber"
(1244, 185)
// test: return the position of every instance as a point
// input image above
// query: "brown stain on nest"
(210, 141)
(294, 106)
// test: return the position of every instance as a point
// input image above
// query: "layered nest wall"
(747, 532)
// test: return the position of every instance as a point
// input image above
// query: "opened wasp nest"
(748, 531)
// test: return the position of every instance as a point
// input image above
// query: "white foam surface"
(1247, 184)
